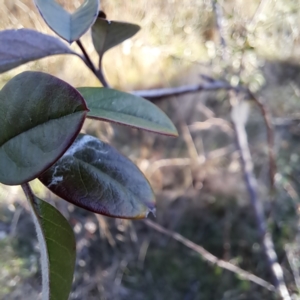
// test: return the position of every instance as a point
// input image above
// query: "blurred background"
(197, 177)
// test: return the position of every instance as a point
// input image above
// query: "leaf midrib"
(40, 124)
(153, 127)
(84, 163)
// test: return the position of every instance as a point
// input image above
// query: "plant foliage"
(40, 118)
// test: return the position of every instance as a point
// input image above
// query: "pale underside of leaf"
(93, 175)
(68, 26)
(127, 109)
(20, 46)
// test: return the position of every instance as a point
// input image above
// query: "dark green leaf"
(20, 46)
(93, 175)
(68, 26)
(107, 34)
(40, 116)
(115, 106)
(58, 250)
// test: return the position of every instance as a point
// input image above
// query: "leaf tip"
(171, 132)
(151, 210)
(145, 214)
(175, 133)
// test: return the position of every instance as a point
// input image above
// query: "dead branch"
(239, 119)
(219, 19)
(214, 85)
(212, 122)
(242, 144)
(181, 90)
(270, 139)
(210, 257)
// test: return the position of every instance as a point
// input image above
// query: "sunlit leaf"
(115, 106)
(58, 250)
(40, 116)
(68, 26)
(93, 175)
(20, 46)
(107, 34)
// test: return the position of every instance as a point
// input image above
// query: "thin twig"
(293, 259)
(263, 109)
(270, 139)
(257, 14)
(251, 182)
(104, 230)
(180, 90)
(187, 137)
(219, 18)
(87, 60)
(210, 257)
(214, 85)
(212, 122)
(28, 193)
(14, 222)
(101, 74)
(239, 122)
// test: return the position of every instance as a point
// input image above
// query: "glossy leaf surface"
(20, 46)
(58, 250)
(95, 176)
(68, 26)
(115, 106)
(40, 116)
(107, 34)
